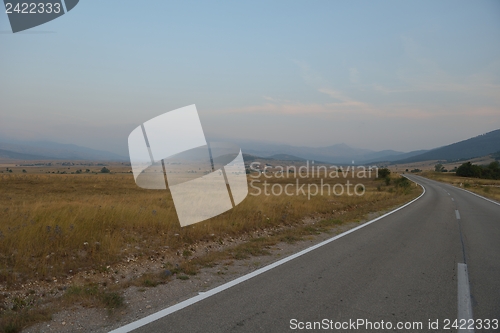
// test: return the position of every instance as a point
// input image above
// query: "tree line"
(490, 171)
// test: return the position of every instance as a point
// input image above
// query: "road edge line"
(477, 195)
(457, 187)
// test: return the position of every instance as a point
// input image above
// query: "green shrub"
(439, 167)
(384, 173)
(402, 182)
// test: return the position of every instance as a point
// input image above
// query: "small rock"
(148, 306)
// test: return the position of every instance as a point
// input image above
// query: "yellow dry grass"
(53, 225)
(489, 188)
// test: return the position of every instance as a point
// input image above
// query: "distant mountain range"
(46, 150)
(478, 146)
(337, 154)
(343, 154)
(340, 154)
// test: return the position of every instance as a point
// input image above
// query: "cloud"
(421, 74)
(343, 99)
(379, 101)
(353, 75)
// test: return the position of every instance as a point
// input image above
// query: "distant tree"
(439, 167)
(384, 173)
(24, 171)
(492, 171)
(469, 170)
(495, 166)
(105, 170)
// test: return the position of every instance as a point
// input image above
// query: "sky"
(401, 75)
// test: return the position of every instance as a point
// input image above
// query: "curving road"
(436, 259)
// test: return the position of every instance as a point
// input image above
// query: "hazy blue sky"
(373, 74)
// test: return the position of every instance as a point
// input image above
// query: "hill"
(480, 145)
(11, 155)
(337, 154)
(395, 157)
(286, 157)
(44, 150)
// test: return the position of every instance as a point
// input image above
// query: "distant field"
(429, 165)
(486, 187)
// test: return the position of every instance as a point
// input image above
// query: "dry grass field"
(489, 188)
(56, 225)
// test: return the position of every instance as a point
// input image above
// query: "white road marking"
(464, 300)
(457, 214)
(477, 195)
(174, 308)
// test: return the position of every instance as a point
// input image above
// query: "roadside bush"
(402, 182)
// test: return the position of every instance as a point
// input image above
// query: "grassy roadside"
(488, 188)
(57, 226)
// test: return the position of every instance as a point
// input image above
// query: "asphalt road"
(402, 268)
